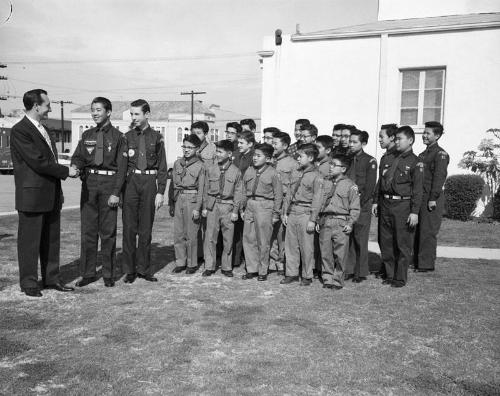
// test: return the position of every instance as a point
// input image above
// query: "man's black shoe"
(333, 287)
(59, 287)
(348, 276)
(207, 273)
(228, 273)
(130, 278)
(305, 282)
(191, 270)
(109, 282)
(178, 270)
(358, 279)
(250, 275)
(86, 281)
(149, 278)
(397, 284)
(32, 292)
(262, 278)
(289, 279)
(424, 270)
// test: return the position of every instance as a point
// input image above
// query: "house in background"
(420, 61)
(171, 118)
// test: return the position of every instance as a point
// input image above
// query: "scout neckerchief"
(258, 173)
(297, 186)
(202, 147)
(186, 164)
(391, 172)
(331, 193)
(222, 179)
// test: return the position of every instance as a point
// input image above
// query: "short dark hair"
(407, 131)
(362, 135)
(225, 145)
(309, 149)
(302, 121)
(338, 127)
(326, 141)
(436, 127)
(104, 101)
(390, 129)
(142, 104)
(283, 137)
(266, 148)
(200, 125)
(234, 125)
(344, 160)
(249, 136)
(249, 122)
(33, 97)
(309, 127)
(273, 130)
(193, 139)
(351, 128)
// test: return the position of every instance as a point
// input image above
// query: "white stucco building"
(421, 61)
(171, 118)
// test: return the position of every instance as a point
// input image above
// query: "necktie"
(141, 160)
(389, 175)
(256, 182)
(352, 169)
(99, 152)
(47, 138)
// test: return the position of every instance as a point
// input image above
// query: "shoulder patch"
(373, 160)
(443, 154)
(420, 164)
(125, 154)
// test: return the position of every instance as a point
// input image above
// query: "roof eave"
(393, 32)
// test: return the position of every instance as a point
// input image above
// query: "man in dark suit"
(39, 196)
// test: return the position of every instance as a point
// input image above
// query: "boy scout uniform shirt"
(285, 165)
(269, 187)
(435, 161)
(404, 178)
(155, 154)
(114, 153)
(385, 163)
(363, 172)
(207, 152)
(223, 182)
(308, 192)
(345, 199)
(189, 175)
(324, 166)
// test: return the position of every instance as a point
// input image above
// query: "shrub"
(496, 205)
(461, 194)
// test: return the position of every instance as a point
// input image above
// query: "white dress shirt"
(43, 132)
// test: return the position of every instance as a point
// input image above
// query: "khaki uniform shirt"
(189, 175)
(269, 187)
(324, 166)
(345, 200)
(223, 182)
(285, 165)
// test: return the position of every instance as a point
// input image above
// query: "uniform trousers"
(334, 245)
(396, 239)
(299, 243)
(357, 262)
(98, 221)
(138, 216)
(186, 231)
(278, 245)
(426, 234)
(219, 219)
(257, 231)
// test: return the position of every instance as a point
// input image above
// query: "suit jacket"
(37, 174)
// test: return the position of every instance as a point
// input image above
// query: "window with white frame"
(422, 96)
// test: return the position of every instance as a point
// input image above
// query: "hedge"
(496, 205)
(461, 194)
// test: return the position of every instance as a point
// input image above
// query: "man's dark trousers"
(357, 263)
(138, 218)
(98, 220)
(38, 234)
(427, 231)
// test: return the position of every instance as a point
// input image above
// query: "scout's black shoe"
(86, 281)
(59, 287)
(289, 279)
(424, 270)
(32, 291)
(397, 284)
(306, 282)
(191, 270)
(178, 270)
(130, 278)
(250, 275)
(387, 282)
(262, 278)
(228, 273)
(149, 278)
(348, 276)
(207, 273)
(358, 279)
(109, 282)
(332, 287)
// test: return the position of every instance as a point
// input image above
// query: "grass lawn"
(193, 335)
(461, 233)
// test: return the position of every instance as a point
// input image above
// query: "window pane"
(432, 115)
(409, 99)
(408, 117)
(410, 79)
(434, 79)
(432, 98)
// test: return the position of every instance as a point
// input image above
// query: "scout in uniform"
(146, 183)
(400, 200)
(221, 203)
(435, 161)
(324, 143)
(386, 141)
(339, 212)
(262, 199)
(300, 212)
(285, 165)
(363, 172)
(101, 157)
(188, 180)
(292, 149)
(206, 151)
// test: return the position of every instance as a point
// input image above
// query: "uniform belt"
(302, 204)
(102, 172)
(224, 201)
(145, 172)
(188, 191)
(256, 198)
(396, 197)
(334, 216)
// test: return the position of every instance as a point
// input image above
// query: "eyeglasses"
(336, 165)
(230, 133)
(188, 147)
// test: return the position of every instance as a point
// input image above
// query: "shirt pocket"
(229, 185)
(151, 151)
(213, 185)
(403, 177)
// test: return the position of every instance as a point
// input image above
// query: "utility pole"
(192, 93)
(62, 102)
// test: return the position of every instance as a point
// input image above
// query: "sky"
(152, 49)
